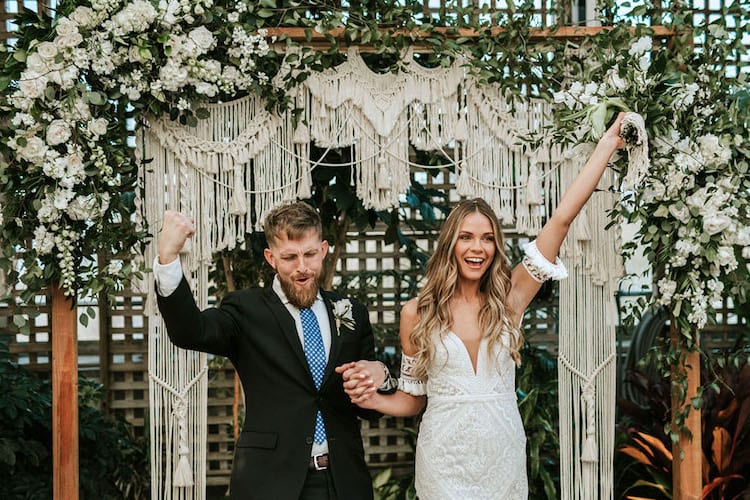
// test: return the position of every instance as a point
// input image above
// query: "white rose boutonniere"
(342, 311)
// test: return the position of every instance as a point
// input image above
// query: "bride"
(460, 341)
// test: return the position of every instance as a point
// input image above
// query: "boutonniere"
(342, 312)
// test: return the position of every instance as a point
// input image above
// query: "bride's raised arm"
(550, 238)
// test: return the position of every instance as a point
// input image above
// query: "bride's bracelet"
(540, 268)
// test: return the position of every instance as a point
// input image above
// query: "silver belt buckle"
(315, 462)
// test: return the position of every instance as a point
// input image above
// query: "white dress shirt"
(168, 277)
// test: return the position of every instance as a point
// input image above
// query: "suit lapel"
(287, 326)
(328, 298)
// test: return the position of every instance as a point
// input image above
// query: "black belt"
(318, 462)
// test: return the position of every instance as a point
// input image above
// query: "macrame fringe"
(587, 352)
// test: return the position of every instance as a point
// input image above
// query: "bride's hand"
(358, 381)
(612, 136)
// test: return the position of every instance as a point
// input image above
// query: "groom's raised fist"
(175, 231)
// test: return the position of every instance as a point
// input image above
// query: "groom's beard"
(300, 297)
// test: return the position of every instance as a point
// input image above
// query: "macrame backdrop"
(228, 171)
(587, 350)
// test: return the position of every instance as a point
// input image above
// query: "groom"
(301, 437)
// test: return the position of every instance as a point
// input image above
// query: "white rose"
(34, 150)
(697, 199)
(233, 17)
(58, 132)
(66, 27)
(83, 16)
(173, 76)
(169, 11)
(746, 253)
(32, 84)
(714, 224)
(657, 190)
(69, 77)
(36, 64)
(725, 257)
(680, 212)
(643, 44)
(98, 127)
(202, 38)
(46, 51)
(72, 40)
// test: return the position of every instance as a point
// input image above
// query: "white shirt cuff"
(167, 276)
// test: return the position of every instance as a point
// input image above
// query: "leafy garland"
(73, 83)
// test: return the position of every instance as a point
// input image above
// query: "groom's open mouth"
(304, 280)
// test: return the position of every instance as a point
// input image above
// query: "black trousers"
(318, 486)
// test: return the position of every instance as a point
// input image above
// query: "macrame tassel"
(534, 186)
(237, 203)
(463, 186)
(462, 129)
(590, 451)
(301, 134)
(183, 473)
(384, 176)
(304, 188)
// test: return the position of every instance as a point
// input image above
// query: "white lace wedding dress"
(471, 443)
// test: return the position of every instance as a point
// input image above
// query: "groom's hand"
(175, 231)
(361, 379)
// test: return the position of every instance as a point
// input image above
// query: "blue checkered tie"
(315, 353)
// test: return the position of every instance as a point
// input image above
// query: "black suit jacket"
(255, 331)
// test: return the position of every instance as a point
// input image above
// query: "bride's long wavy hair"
(433, 304)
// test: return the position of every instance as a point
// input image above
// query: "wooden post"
(687, 480)
(64, 397)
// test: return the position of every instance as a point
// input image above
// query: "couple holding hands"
(306, 355)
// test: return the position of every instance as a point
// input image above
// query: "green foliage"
(645, 446)
(536, 383)
(113, 463)
(389, 486)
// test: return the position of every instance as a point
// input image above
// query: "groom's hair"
(293, 219)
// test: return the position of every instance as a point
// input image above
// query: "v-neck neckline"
(474, 369)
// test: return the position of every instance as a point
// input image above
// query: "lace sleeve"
(540, 268)
(407, 382)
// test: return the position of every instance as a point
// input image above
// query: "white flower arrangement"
(693, 206)
(343, 314)
(63, 138)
